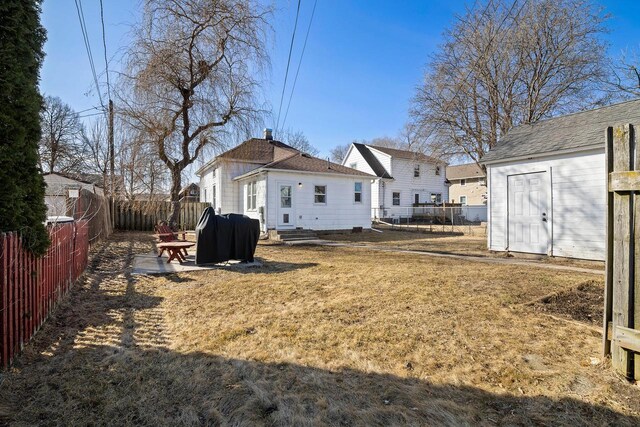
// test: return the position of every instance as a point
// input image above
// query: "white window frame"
(465, 200)
(251, 195)
(436, 197)
(213, 196)
(316, 194)
(353, 165)
(437, 170)
(416, 171)
(356, 192)
(393, 199)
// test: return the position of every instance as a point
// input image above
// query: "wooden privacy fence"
(143, 215)
(30, 287)
(622, 292)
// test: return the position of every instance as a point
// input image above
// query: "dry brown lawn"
(459, 244)
(318, 336)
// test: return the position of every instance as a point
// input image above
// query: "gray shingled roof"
(469, 170)
(572, 131)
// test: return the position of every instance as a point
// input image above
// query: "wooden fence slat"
(4, 315)
(635, 285)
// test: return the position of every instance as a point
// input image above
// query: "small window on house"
(205, 194)
(251, 196)
(357, 192)
(416, 171)
(463, 182)
(463, 200)
(416, 198)
(437, 170)
(213, 196)
(285, 197)
(436, 197)
(320, 194)
(353, 165)
(396, 199)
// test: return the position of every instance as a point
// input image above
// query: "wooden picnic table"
(176, 250)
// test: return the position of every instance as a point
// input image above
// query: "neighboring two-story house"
(402, 178)
(285, 188)
(468, 184)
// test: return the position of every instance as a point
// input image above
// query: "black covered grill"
(222, 238)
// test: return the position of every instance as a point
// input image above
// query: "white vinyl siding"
(338, 213)
(577, 205)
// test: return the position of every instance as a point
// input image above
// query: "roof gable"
(569, 132)
(306, 163)
(371, 160)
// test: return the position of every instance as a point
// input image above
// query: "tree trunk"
(176, 185)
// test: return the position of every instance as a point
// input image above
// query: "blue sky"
(362, 62)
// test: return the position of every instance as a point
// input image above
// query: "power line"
(104, 45)
(87, 45)
(304, 46)
(286, 74)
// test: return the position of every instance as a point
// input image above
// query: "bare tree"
(299, 141)
(339, 152)
(624, 80)
(505, 63)
(60, 143)
(96, 149)
(192, 69)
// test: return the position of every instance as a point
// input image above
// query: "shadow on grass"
(105, 359)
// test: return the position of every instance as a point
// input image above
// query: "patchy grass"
(458, 244)
(319, 335)
(434, 242)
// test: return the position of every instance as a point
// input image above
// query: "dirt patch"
(584, 303)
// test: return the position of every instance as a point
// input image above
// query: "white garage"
(546, 184)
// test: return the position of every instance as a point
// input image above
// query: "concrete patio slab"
(152, 264)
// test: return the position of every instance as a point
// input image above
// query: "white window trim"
(316, 194)
(399, 198)
(252, 197)
(437, 170)
(465, 200)
(213, 196)
(355, 192)
(416, 168)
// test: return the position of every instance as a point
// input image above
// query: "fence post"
(622, 290)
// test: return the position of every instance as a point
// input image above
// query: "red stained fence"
(30, 287)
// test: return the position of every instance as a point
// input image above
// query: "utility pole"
(111, 163)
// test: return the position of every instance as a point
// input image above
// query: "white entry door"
(286, 210)
(528, 215)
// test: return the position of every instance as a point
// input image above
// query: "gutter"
(259, 170)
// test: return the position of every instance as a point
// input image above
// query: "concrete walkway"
(472, 258)
(152, 264)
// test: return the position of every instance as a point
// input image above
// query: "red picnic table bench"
(177, 250)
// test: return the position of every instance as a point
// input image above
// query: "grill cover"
(221, 238)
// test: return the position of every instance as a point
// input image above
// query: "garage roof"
(572, 131)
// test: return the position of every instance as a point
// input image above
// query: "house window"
(205, 194)
(320, 194)
(463, 200)
(437, 170)
(353, 165)
(213, 197)
(396, 199)
(357, 192)
(416, 171)
(436, 197)
(463, 182)
(416, 198)
(285, 198)
(251, 196)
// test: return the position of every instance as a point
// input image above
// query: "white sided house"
(63, 190)
(546, 183)
(286, 189)
(403, 178)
